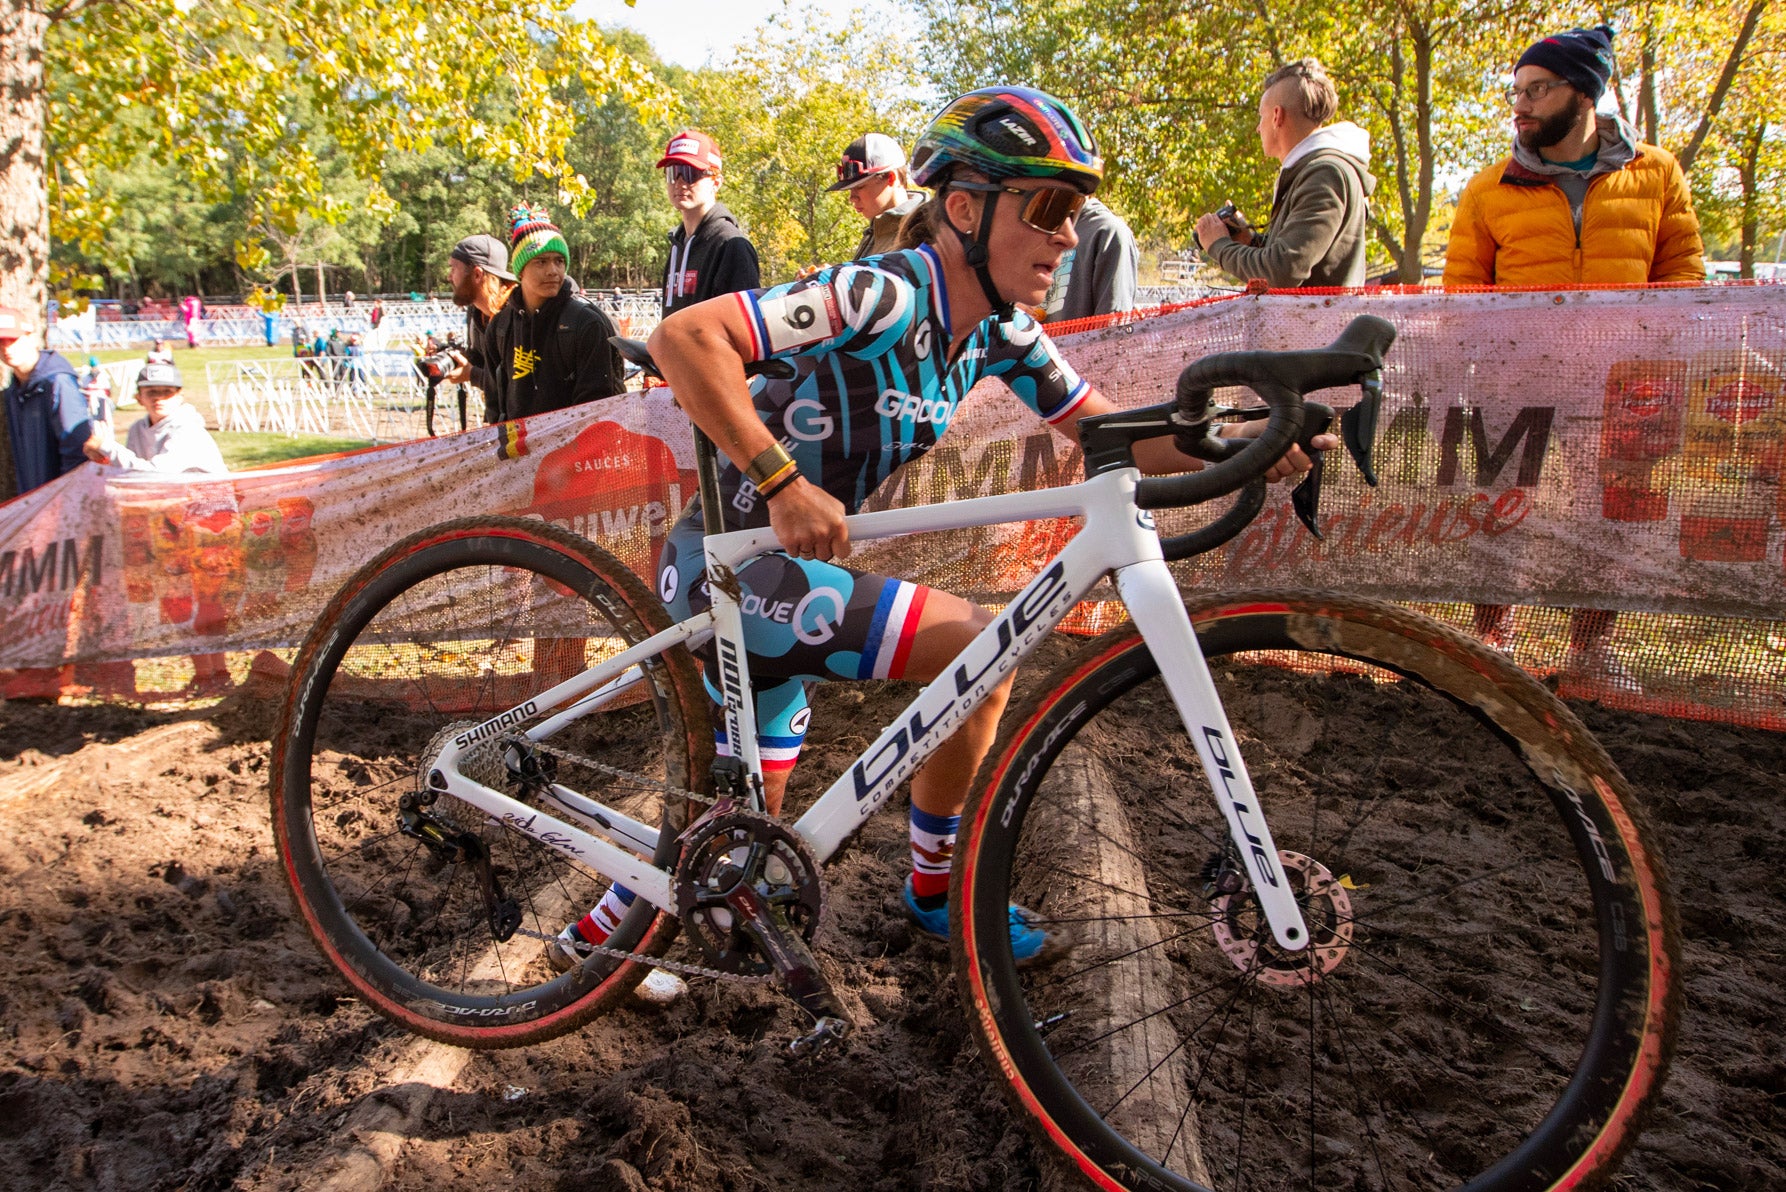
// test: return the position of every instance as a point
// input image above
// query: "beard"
(465, 292)
(1554, 130)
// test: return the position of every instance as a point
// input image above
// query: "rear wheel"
(439, 634)
(1489, 1000)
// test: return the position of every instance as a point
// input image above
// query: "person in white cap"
(873, 172)
(171, 439)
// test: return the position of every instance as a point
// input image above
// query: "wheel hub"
(1245, 937)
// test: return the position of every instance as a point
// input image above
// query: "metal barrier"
(635, 313)
(376, 396)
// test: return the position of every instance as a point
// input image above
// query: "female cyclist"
(889, 349)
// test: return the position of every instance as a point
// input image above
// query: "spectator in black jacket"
(709, 253)
(547, 348)
(482, 283)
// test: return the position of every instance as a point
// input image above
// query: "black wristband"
(792, 475)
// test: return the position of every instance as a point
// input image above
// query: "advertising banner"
(1601, 449)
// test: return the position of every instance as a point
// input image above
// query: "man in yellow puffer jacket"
(1580, 201)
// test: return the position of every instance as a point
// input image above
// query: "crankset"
(750, 898)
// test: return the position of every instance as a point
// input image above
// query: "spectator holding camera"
(478, 269)
(1320, 206)
(547, 348)
(709, 253)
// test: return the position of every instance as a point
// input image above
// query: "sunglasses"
(1046, 209)
(688, 175)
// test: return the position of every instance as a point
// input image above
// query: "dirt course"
(166, 1024)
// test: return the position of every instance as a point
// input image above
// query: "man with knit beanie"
(709, 253)
(1579, 202)
(547, 348)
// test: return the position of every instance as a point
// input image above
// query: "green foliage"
(783, 109)
(275, 101)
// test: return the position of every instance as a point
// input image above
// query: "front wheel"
(1490, 997)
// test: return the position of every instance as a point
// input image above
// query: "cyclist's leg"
(945, 627)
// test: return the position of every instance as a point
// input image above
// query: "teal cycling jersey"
(875, 386)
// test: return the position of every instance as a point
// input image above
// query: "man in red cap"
(709, 253)
(45, 409)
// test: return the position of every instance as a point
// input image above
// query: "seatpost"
(713, 519)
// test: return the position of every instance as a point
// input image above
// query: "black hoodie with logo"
(554, 357)
(717, 259)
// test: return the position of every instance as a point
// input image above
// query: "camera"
(437, 364)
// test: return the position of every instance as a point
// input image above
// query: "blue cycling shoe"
(1030, 942)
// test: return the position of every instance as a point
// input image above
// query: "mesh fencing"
(1539, 452)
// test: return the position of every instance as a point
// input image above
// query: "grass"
(245, 449)
(241, 449)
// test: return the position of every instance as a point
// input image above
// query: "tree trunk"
(1732, 63)
(24, 188)
(1646, 93)
(1747, 172)
(1413, 271)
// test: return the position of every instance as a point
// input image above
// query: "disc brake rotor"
(1243, 934)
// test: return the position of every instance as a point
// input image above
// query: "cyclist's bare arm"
(1158, 457)
(701, 352)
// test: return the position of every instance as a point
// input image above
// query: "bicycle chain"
(625, 775)
(662, 962)
(605, 768)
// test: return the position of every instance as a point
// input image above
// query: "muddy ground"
(165, 1024)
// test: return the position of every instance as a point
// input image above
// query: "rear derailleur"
(750, 898)
(449, 844)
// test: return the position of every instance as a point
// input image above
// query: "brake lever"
(1305, 498)
(1358, 425)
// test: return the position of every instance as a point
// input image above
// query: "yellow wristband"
(775, 480)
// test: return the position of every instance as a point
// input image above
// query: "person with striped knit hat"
(548, 347)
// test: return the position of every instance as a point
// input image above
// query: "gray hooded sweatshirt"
(178, 443)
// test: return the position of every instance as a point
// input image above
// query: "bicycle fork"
(1153, 600)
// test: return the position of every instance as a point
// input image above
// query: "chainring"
(744, 846)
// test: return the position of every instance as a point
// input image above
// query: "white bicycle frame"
(1117, 539)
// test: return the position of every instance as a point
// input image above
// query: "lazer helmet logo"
(1017, 130)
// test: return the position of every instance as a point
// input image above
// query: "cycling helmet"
(1007, 132)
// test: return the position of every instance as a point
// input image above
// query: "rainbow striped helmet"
(1008, 132)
